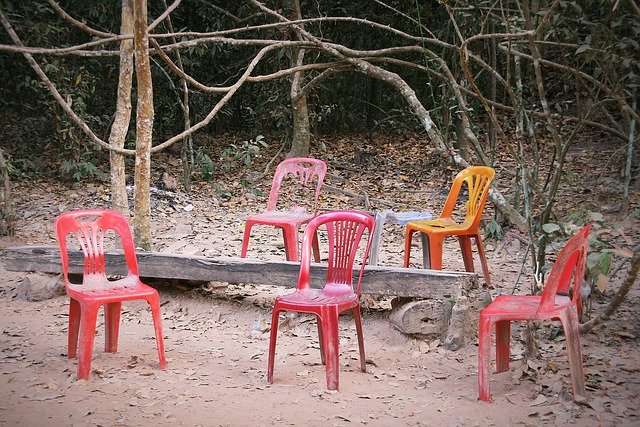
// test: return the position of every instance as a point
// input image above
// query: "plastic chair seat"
(445, 226)
(311, 298)
(344, 231)
(522, 307)
(283, 217)
(126, 289)
(553, 304)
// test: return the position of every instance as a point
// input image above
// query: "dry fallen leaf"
(540, 400)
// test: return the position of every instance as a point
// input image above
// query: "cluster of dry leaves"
(217, 333)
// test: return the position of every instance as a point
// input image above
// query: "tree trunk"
(301, 129)
(300, 113)
(144, 128)
(120, 127)
(187, 141)
(7, 212)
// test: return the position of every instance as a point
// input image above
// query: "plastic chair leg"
(483, 259)
(426, 253)
(154, 303)
(321, 340)
(85, 344)
(111, 326)
(484, 358)
(245, 239)
(358, 319)
(467, 253)
(571, 323)
(74, 328)
(408, 235)
(435, 251)
(275, 315)
(331, 344)
(291, 244)
(503, 337)
(316, 248)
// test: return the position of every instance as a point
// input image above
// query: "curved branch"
(619, 297)
(64, 104)
(621, 102)
(73, 50)
(164, 15)
(232, 90)
(77, 23)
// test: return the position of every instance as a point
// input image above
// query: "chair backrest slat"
(305, 170)
(90, 227)
(570, 264)
(345, 230)
(478, 180)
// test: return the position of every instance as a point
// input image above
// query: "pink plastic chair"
(90, 228)
(290, 220)
(554, 303)
(344, 230)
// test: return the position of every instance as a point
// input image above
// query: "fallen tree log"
(454, 287)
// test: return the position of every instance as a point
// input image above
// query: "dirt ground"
(216, 339)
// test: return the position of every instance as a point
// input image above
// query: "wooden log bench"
(435, 304)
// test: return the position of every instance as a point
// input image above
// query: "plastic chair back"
(478, 180)
(570, 263)
(90, 228)
(344, 231)
(305, 170)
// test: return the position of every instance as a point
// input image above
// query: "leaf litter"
(217, 335)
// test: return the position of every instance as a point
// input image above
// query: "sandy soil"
(217, 340)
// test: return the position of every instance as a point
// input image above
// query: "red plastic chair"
(344, 230)
(554, 303)
(90, 228)
(478, 180)
(290, 220)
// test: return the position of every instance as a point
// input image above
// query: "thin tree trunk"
(300, 113)
(187, 141)
(120, 127)
(493, 93)
(627, 169)
(144, 128)
(7, 211)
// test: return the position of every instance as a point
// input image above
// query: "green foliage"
(204, 165)
(244, 153)
(223, 193)
(81, 170)
(493, 230)
(599, 257)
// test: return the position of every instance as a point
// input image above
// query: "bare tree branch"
(164, 15)
(620, 295)
(77, 23)
(63, 103)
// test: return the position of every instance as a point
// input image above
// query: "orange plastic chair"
(478, 180)
(344, 230)
(290, 220)
(96, 289)
(554, 303)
